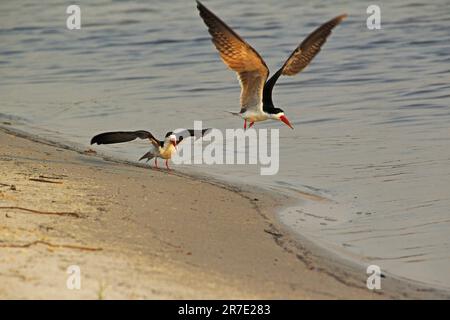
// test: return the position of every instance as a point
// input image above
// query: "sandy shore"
(142, 233)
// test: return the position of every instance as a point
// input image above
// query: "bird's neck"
(268, 108)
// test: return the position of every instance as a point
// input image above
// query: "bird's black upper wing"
(302, 55)
(186, 133)
(123, 136)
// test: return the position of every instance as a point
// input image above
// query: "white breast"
(254, 115)
(167, 151)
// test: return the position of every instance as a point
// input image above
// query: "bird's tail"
(234, 113)
(149, 156)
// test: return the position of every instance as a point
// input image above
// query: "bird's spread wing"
(186, 133)
(302, 55)
(123, 136)
(239, 56)
(310, 47)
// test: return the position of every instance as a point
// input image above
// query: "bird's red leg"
(245, 124)
(156, 163)
(167, 164)
(251, 124)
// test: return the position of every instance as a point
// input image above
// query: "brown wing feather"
(239, 56)
(310, 47)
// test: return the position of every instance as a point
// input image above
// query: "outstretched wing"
(302, 55)
(123, 136)
(239, 56)
(186, 133)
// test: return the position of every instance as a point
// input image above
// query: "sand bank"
(143, 233)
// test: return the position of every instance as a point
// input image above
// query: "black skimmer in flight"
(160, 149)
(238, 55)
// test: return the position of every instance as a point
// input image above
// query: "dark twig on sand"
(71, 214)
(49, 244)
(53, 177)
(44, 180)
(274, 233)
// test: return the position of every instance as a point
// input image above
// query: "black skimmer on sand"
(238, 55)
(160, 149)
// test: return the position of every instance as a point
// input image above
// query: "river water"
(371, 145)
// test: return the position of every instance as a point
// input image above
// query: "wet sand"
(143, 233)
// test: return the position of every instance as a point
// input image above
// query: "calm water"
(371, 113)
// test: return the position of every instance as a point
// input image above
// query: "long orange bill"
(286, 121)
(175, 145)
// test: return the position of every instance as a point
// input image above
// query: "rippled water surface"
(371, 113)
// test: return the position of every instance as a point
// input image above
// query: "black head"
(179, 138)
(276, 111)
(278, 114)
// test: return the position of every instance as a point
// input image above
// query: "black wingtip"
(200, 6)
(94, 140)
(98, 139)
(204, 131)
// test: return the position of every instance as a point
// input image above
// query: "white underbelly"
(254, 116)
